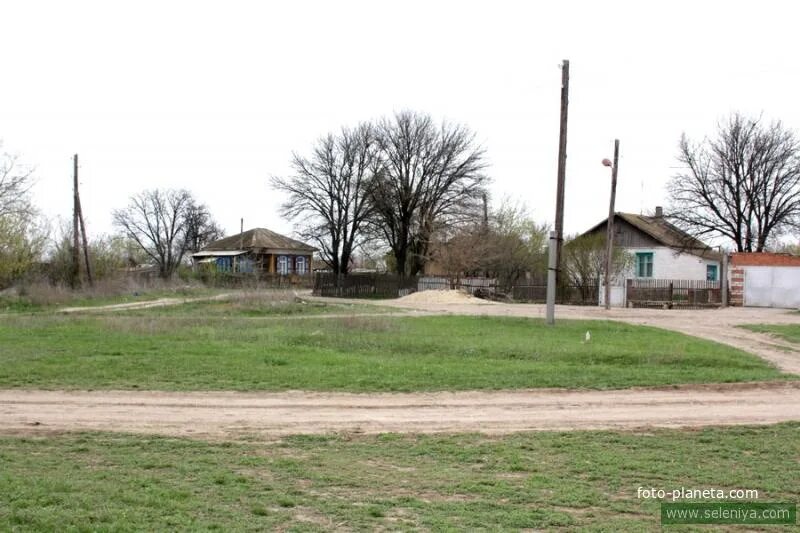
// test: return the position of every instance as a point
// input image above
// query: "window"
(224, 264)
(644, 264)
(283, 265)
(301, 265)
(711, 272)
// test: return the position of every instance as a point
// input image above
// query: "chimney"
(659, 212)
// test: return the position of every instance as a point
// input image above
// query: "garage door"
(766, 286)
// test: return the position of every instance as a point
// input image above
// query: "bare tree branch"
(15, 184)
(743, 185)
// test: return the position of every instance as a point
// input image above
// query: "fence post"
(723, 279)
(628, 287)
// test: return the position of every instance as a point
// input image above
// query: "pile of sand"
(442, 297)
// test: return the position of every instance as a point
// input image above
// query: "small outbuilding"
(256, 251)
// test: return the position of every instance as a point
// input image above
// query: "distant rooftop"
(258, 238)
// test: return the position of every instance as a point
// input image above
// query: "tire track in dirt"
(222, 415)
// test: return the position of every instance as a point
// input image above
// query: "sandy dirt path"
(234, 415)
(145, 304)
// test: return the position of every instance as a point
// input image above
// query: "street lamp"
(610, 223)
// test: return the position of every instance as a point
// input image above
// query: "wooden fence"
(256, 280)
(673, 293)
(565, 295)
(363, 285)
(484, 287)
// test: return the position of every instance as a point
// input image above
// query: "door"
(767, 286)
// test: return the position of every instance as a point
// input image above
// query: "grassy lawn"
(253, 305)
(787, 332)
(49, 299)
(161, 352)
(455, 482)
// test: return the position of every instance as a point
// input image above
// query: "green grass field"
(254, 305)
(45, 299)
(397, 482)
(170, 350)
(787, 332)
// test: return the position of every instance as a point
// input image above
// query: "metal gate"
(769, 286)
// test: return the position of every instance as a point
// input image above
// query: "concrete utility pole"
(610, 225)
(551, 279)
(562, 165)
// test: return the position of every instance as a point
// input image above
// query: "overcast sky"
(214, 97)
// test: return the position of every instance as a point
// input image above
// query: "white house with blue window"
(659, 251)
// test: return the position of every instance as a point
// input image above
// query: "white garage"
(765, 280)
(771, 286)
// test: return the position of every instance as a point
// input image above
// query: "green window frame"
(712, 273)
(644, 264)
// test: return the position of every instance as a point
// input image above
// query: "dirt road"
(231, 415)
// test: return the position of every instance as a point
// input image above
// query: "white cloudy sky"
(214, 96)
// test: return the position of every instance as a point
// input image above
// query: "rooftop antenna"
(241, 233)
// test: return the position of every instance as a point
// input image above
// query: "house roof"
(258, 238)
(219, 253)
(666, 234)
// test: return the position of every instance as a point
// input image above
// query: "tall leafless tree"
(328, 193)
(744, 184)
(158, 221)
(431, 175)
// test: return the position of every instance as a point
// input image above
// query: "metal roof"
(219, 253)
(259, 238)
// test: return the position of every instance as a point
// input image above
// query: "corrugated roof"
(667, 234)
(259, 238)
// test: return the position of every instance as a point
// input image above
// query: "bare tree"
(516, 245)
(328, 193)
(431, 176)
(23, 238)
(201, 228)
(585, 260)
(743, 185)
(15, 184)
(157, 221)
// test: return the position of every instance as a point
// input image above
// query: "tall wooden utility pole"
(76, 243)
(85, 239)
(610, 226)
(562, 166)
